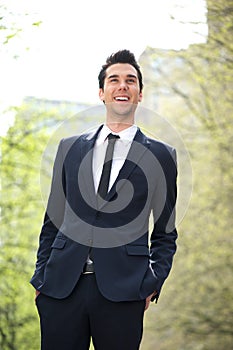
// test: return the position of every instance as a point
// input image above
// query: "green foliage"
(194, 91)
(12, 26)
(21, 216)
(22, 210)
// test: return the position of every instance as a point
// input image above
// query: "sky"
(62, 57)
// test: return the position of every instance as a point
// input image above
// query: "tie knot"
(113, 137)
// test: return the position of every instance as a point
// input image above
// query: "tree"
(12, 26)
(22, 210)
(193, 88)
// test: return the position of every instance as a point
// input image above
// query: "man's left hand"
(148, 300)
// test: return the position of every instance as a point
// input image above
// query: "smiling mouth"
(121, 98)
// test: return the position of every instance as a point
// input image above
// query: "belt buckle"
(88, 269)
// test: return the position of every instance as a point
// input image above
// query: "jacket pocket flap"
(58, 243)
(137, 250)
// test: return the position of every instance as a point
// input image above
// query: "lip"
(125, 98)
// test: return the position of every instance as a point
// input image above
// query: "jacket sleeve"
(53, 217)
(164, 234)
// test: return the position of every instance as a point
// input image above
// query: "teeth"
(122, 98)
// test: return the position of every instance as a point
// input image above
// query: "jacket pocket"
(58, 243)
(137, 250)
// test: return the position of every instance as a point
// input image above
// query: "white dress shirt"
(121, 150)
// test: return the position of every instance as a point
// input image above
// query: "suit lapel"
(86, 175)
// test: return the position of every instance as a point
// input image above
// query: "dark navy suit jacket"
(130, 263)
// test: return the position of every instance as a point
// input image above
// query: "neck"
(118, 126)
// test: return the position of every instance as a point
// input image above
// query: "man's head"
(120, 82)
(123, 56)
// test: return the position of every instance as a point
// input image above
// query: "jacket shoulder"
(164, 152)
(161, 145)
(66, 143)
(79, 137)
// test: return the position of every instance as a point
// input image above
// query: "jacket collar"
(139, 146)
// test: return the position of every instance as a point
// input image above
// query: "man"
(95, 274)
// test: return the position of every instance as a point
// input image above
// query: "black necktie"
(105, 176)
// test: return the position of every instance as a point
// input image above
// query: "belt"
(88, 268)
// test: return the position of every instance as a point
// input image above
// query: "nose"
(123, 85)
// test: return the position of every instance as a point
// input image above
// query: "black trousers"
(69, 324)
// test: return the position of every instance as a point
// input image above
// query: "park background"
(189, 85)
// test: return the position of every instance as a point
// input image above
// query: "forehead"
(121, 69)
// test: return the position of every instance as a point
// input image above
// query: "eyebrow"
(116, 76)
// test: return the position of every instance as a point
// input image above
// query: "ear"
(101, 94)
(140, 97)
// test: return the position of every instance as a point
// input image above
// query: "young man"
(95, 274)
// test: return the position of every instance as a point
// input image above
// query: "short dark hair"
(122, 56)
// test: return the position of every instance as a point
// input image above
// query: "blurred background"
(50, 57)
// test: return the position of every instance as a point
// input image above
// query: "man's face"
(121, 92)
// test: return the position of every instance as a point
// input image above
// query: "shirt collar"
(125, 135)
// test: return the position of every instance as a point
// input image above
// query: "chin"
(126, 110)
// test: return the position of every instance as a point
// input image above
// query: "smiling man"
(121, 93)
(95, 273)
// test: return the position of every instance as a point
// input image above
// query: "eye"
(131, 80)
